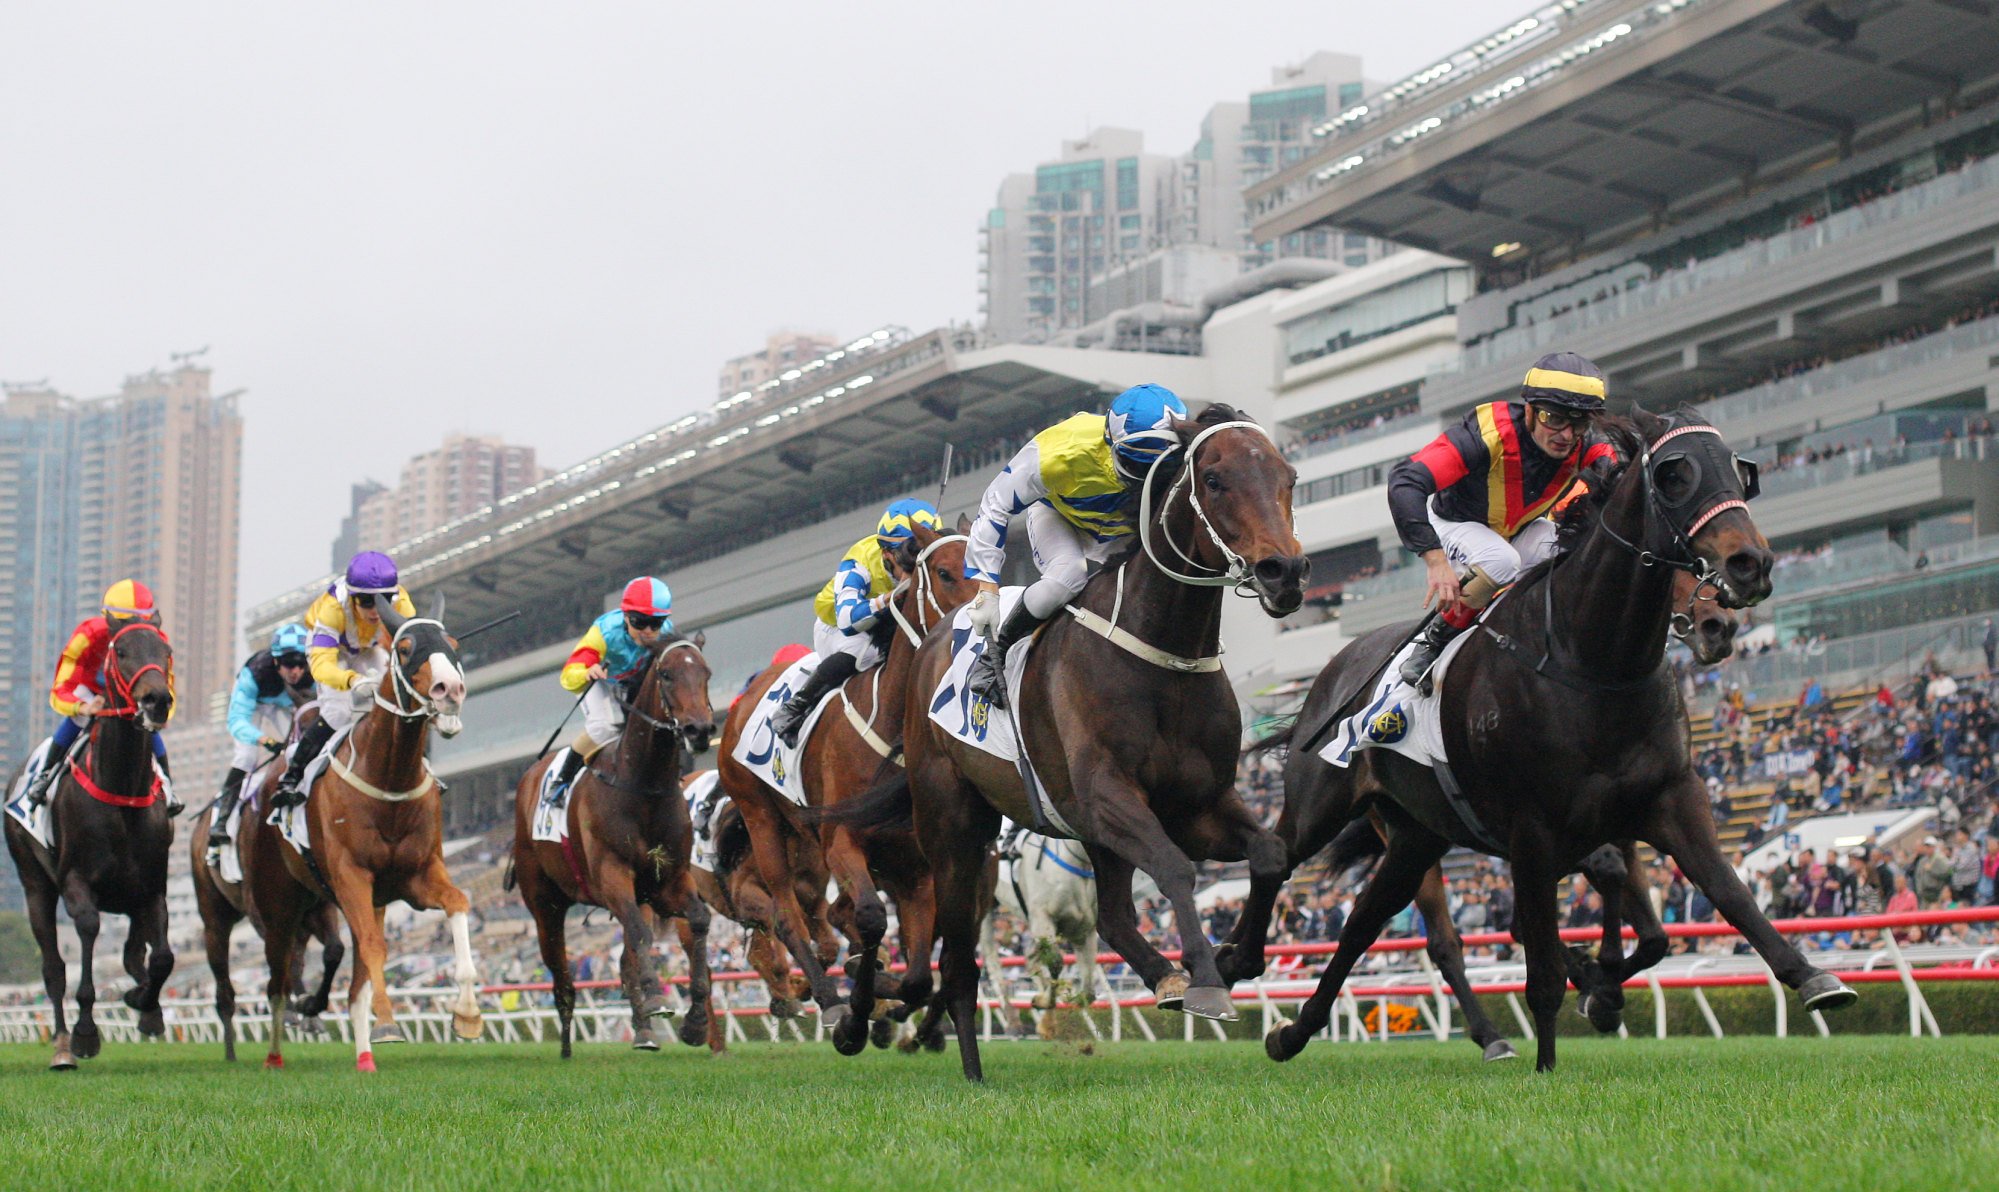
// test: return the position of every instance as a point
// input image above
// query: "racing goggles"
(644, 622)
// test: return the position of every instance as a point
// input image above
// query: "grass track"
(1855, 1112)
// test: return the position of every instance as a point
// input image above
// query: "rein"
(926, 595)
(127, 708)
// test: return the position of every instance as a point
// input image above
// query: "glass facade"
(1379, 313)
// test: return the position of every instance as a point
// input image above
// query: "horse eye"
(1213, 482)
(944, 574)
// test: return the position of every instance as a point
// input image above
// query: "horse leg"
(1683, 827)
(432, 888)
(215, 940)
(690, 946)
(1537, 926)
(957, 925)
(150, 928)
(84, 916)
(1412, 851)
(679, 901)
(1125, 825)
(282, 909)
(1117, 921)
(1447, 952)
(1599, 981)
(1312, 816)
(788, 921)
(55, 974)
(325, 927)
(613, 884)
(850, 866)
(916, 916)
(551, 914)
(354, 890)
(995, 973)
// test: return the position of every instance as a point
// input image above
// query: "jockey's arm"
(853, 609)
(1448, 458)
(68, 695)
(1018, 485)
(586, 661)
(242, 707)
(327, 620)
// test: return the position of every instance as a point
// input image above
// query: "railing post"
(1919, 1007)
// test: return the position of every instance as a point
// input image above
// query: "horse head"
(1694, 493)
(1239, 486)
(141, 673)
(425, 673)
(931, 568)
(674, 695)
(1700, 621)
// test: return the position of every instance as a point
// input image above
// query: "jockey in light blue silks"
(272, 683)
(1076, 486)
(847, 634)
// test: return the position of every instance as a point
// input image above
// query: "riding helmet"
(129, 600)
(371, 571)
(648, 596)
(901, 519)
(1140, 427)
(1567, 380)
(288, 639)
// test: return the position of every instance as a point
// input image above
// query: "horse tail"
(886, 804)
(507, 877)
(1357, 841)
(1279, 737)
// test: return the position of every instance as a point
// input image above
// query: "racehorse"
(1565, 734)
(224, 904)
(1127, 719)
(734, 890)
(843, 755)
(629, 845)
(111, 834)
(375, 828)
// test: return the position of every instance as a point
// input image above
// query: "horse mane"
(1580, 518)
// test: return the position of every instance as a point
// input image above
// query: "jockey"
(1075, 484)
(848, 634)
(612, 655)
(348, 653)
(1473, 503)
(78, 693)
(272, 683)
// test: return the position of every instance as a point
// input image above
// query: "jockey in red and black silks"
(1474, 503)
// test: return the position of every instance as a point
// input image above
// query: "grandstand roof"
(757, 462)
(1591, 120)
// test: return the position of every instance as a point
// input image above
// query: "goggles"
(292, 661)
(641, 621)
(1556, 418)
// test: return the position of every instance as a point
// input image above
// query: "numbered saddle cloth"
(1397, 716)
(551, 819)
(704, 800)
(290, 821)
(966, 716)
(34, 819)
(232, 860)
(759, 750)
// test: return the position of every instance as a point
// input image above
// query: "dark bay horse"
(223, 904)
(1134, 735)
(375, 823)
(629, 844)
(111, 835)
(857, 736)
(1565, 732)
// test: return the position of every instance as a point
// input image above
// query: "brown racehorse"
(736, 891)
(1133, 729)
(111, 832)
(629, 845)
(855, 738)
(224, 904)
(375, 822)
(1565, 733)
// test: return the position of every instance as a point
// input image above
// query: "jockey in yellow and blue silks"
(847, 635)
(271, 685)
(348, 652)
(612, 655)
(1074, 484)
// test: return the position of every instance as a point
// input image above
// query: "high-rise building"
(782, 352)
(465, 474)
(1106, 207)
(143, 484)
(349, 540)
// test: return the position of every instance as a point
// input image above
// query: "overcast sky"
(551, 222)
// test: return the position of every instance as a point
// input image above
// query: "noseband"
(1237, 574)
(668, 723)
(423, 707)
(926, 594)
(1710, 499)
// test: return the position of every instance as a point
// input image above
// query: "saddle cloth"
(551, 819)
(759, 750)
(1397, 716)
(232, 861)
(952, 706)
(704, 799)
(35, 820)
(290, 821)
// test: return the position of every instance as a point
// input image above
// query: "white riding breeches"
(603, 715)
(1475, 544)
(336, 707)
(828, 641)
(271, 720)
(1062, 554)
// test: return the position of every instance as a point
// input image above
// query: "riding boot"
(225, 806)
(309, 744)
(988, 678)
(830, 673)
(1430, 644)
(38, 790)
(571, 763)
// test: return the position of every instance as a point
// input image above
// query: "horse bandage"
(1476, 589)
(584, 745)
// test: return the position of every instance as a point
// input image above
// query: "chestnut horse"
(629, 845)
(375, 823)
(111, 835)
(736, 891)
(1566, 733)
(1128, 718)
(857, 736)
(224, 904)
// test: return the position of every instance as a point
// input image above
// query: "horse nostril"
(1279, 571)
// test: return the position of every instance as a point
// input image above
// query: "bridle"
(1237, 574)
(1710, 499)
(926, 594)
(127, 708)
(668, 723)
(421, 706)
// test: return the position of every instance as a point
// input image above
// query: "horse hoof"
(64, 1060)
(132, 997)
(153, 1024)
(311, 1025)
(1278, 1045)
(832, 1016)
(1041, 1001)
(366, 1062)
(934, 1041)
(274, 1062)
(87, 1044)
(1500, 1049)
(1827, 992)
(851, 1036)
(468, 1027)
(1209, 1001)
(1171, 991)
(388, 1032)
(786, 1007)
(643, 1041)
(1234, 969)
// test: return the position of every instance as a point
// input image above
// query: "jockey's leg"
(335, 711)
(1488, 563)
(225, 806)
(841, 657)
(1060, 554)
(174, 805)
(603, 724)
(60, 743)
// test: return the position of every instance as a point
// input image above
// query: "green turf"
(1742, 1113)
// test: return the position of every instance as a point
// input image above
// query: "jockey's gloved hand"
(361, 695)
(985, 612)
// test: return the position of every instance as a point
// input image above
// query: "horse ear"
(700, 639)
(1649, 425)
(964, 523)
